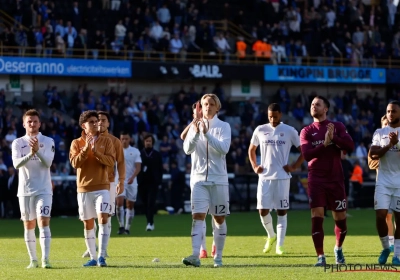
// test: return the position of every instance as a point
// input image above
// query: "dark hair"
(395, 102)
(325, 100)
(147, 136)
(87, 115)
(123, 132)
(274, 107)
(31, 113)
(104, 113)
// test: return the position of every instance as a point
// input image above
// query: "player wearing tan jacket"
(91, 155)
(103, 125)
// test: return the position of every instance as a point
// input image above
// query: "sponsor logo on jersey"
(314, 134)
(318, 142)
(275, 142)
(24, 146)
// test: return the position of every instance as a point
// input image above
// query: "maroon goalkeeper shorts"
(329, 194)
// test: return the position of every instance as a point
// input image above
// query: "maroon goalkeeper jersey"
(324, 163)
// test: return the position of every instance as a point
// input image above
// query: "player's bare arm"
(294, 166)
(138, 168)
(258, 169)
(120, 165)
(380, 151)
(373, 162)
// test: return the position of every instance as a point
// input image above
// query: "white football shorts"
(211, 198)
(130, 192)
(387, 198)
(32, 207)
(93, 203)
(273, 194)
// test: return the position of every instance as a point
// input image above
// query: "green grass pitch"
(131, 256)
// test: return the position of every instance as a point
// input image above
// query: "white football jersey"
(275, 144)
(132, 156)
(389, 164)
(34, 171)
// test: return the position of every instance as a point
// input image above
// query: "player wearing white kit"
(92, 154)
(386, 146)
(373, 163)
(196, 108)
(33, 155)
(208, 142)
(275, 140)
(133, 163)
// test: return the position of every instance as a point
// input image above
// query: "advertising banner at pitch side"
(315, 74)
(197, 71)
(65, 67)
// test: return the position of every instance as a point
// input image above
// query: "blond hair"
(213, 97)
(383, 119)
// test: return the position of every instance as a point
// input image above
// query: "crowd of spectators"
(167, 118)
(361, 33)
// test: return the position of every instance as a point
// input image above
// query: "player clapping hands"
(34, 144)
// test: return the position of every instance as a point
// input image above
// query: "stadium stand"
(277, 32)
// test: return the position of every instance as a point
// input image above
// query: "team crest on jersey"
(52, 149)
(41, 145)
(281, 134)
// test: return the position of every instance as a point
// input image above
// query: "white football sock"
(197, 236)
(391, 240)
(120, 215)
(281, 229)
(104, 237)
(90, 240)
(30, 241)
(203, 241)
(219, 239)
(130, 214)
(396, 248)
(268, 225)
(45, 240)
(109, 223)
(213, 227)
(385, 242)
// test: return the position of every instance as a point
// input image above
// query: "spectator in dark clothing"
(149, 179)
